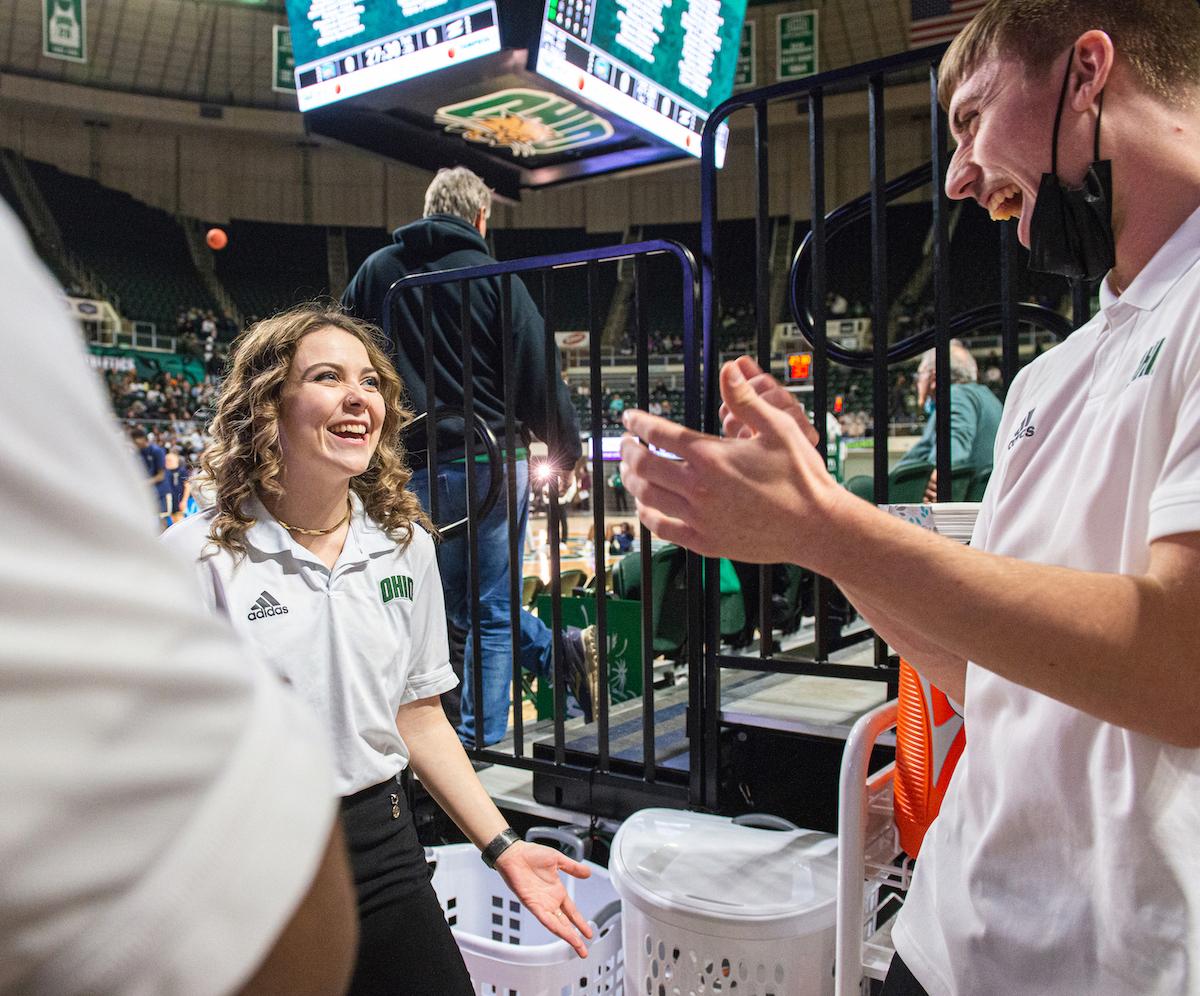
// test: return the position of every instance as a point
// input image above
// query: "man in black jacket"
(449, 236)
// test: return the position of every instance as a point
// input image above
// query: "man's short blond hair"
(1158, 39)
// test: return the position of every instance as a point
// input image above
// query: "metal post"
(879, 305)
(816, 164)
(472, 491)
(599, 586)
(515, 540)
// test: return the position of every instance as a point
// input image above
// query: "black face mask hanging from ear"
(1070, 233)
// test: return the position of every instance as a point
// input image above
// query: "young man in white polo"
(1064, 859)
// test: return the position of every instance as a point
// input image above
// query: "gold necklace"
(319, 532)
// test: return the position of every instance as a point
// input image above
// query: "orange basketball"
(216, 238)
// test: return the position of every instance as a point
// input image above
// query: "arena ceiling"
(219, 51)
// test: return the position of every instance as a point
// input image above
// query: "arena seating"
(49, 254)
(568, 311)
(268, 267)
(11, 199)
(140, 252)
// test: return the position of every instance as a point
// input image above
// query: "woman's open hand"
(531, 871)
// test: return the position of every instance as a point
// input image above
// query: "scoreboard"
(527, 93)
(799, 368)
(660, 64)
(344, 48)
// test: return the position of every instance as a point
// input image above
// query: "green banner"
(744, 74)
(150, 365)
(624, 619)
(283, 60)
(63, 30)
(796, 45)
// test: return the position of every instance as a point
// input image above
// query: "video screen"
(662, 65)
(348, 47)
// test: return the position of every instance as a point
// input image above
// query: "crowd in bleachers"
(139, 252)
(206, 335)
(166, 397)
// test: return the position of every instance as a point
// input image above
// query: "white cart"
(873, 872)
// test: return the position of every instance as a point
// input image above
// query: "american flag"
(939, 20)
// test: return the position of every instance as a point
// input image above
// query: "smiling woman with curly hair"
(319, 557)
(244, 457)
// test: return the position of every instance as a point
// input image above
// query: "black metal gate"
(563, 762)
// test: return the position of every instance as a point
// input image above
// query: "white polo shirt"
(164, 801)
(1066, 858)
(356, 642)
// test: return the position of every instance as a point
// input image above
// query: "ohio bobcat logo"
(526, 122)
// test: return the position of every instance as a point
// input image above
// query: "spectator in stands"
(560, 507)
(620, 501)
(974, 417)
(616, 405)
(451, 234)
(620, 538)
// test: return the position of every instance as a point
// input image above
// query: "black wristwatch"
(499, 844)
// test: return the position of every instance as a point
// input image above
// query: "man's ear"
(1093, 60)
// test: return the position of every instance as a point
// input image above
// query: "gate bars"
(501, 274)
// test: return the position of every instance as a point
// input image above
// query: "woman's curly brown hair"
(244, 457)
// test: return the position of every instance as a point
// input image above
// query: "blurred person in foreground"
(321, 558)
(1064, 858)
(169, 819)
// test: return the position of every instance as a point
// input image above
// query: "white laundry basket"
(714, 907)
(507, 950)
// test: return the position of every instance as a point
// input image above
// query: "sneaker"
(580, 668)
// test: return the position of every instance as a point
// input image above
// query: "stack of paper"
(953, 519)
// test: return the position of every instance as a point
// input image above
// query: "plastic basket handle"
(571, 843)
(606, 914)
(764, 821)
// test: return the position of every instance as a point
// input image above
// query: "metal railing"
(130, 335)
(647, 780)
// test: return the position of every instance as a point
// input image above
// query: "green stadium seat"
(978, 486)
(669, 607)
(906, 486)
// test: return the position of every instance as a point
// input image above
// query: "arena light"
(543, 472)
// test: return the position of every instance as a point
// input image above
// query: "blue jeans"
(495, 632)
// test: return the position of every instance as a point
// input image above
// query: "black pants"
(900, 981)
(405, 947)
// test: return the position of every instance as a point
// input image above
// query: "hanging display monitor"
(344, 48)
(662, 65)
